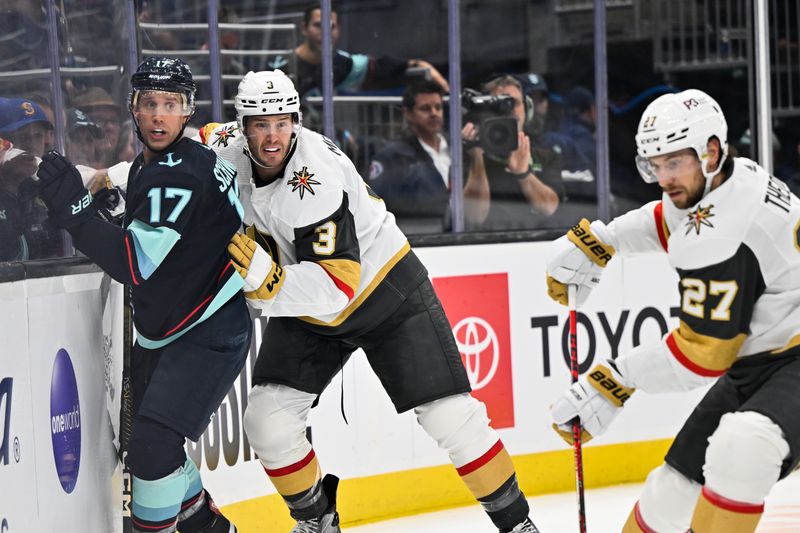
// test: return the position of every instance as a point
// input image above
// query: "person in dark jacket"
(412, 174)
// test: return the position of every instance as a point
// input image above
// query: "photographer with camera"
(511, 183)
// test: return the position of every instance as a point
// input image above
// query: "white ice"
(606, 512)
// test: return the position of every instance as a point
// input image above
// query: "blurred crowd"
(537, 169)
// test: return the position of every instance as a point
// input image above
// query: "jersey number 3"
(155, 193)
(326, 244)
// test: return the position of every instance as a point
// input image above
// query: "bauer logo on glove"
(62, 191)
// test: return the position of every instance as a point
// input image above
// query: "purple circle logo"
(65, 421)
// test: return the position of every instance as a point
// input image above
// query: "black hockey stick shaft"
(576, 423)
(126, 412)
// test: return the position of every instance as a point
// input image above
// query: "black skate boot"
(523, 527)
(220, 524)
(329, 521)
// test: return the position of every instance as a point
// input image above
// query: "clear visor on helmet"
(150, 102)
(646, 169)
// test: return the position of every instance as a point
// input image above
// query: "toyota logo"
(477, 341)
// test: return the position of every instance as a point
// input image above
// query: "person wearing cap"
(84, 140)
(24, 124)
(580, 121)
(103, 111)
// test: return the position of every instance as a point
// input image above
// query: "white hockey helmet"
(268, 92)
(674, 122)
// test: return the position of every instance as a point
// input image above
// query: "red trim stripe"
(640, 521)
(482, 460)
(341, 285)
(140, 525)
(189, 503)
(286, 470)
(182, 322)
(685, 361)
(221, 274)
(130, 259)
(732, 505)
(658, 213)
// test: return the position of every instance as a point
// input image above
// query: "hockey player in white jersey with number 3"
(732, 232)
(324, 259)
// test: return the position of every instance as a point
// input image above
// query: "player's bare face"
(269, 138)
(160, 116)
(680, 177)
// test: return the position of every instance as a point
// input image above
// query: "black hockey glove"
(61, 188)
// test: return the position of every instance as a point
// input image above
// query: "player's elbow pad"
(653, 368)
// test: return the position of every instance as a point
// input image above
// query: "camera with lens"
(493, 116)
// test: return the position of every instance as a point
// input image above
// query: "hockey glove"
(262, 276)
(578, 258)
(61, 188)
(596, 398)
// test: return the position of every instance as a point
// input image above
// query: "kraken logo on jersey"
(225, 135)
(302, 180)
(699, 217)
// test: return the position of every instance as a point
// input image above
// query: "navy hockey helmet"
(166, 74)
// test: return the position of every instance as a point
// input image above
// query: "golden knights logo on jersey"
(302, 181)
(224, 135)
(698, 218)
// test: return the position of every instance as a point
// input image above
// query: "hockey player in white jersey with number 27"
(326, 262)
(732, 232)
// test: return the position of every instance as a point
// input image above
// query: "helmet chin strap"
(710, 175)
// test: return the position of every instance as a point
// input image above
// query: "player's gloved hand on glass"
(62, 191)
(596, 398)
(578, 258)
(262, 276)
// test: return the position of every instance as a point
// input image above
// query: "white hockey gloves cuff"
(578, 258)
(262, 276)
(596, 398)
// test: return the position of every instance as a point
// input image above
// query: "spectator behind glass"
(412, 174)
(43, 99)
(24, 124)
(351, 72)
(579, 125)
(519, 191)
(85, 143)
(23, 232)
(105, 113)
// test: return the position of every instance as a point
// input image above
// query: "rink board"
(512, 338)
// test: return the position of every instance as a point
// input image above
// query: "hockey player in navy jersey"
(732, 232)
(325, 260)
(192, 323)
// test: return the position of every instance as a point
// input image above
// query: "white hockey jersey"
(737, 253)
(322, 223)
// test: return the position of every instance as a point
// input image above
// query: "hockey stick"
(126, 412)
(576, 423)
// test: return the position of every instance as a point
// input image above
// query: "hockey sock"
(635, 522)
(491, 478)
(197, 508)
(156, 503)
(300, 485)
(717, 514)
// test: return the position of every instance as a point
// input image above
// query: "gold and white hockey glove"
(578, 258)
(262, 276)
(596, 398)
